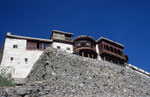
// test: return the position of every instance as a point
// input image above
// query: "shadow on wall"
(1, 51)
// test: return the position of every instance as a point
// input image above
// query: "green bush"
(6, 77)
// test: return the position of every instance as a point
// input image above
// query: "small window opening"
(111, 48)
(68, 48)
(46, 45)
(88, 44)
(83, 44)
(26, 60)
(15, 46)
(11, 58)
(67, 37)
(58, 47)
(39, 45)
(107, 47)
(78, 44)
(115, 50)
(119, 52)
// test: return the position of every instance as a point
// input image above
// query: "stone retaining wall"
(59, 74)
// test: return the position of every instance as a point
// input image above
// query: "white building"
(22, 52)
(62, 40)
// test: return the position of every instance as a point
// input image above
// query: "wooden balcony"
(104, 51)
(84, 47)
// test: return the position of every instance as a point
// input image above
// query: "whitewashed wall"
(63, 46)
(97, 50)
(19, 54)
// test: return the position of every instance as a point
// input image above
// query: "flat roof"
(62, 32)
(102, 38)
(27, 38)
(84, 37)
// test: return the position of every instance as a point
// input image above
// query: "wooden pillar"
(88, 55)
(111, 61)
(83, 54)
(92, 56)
(104, 58)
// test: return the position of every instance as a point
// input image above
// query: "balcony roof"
(61, 32)
(27, 38)
(108, 40)
(84, 37)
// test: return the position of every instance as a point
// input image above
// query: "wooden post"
(83, 54)
(88, 55)
(104, 59)
(92, 56)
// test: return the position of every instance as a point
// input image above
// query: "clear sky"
(123, 21)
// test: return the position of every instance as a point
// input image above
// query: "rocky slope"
(59, 74)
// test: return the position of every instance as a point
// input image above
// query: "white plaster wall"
(97, 50)
(63, 46)
(19, 54)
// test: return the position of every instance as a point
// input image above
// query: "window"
(88, 44)
(15, 46)
(11, 58)
(31, 45)
(68, 48)
(39, 45)
(26, 60)
(82, 43)
(119, 52)
(67, 37)
(46, 45)
(107, 47)
(115, 50)
(111, 48)
(78, 44)
(92, 45)
(58, 47)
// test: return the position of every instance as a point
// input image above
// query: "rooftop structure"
(22, 52)
(60, 36)
(85, 46)
(111, 51)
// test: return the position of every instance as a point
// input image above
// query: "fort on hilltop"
(21, 52)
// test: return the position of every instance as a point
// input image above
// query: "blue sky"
(123, 21)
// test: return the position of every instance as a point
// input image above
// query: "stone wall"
(60, 74)
(15, 57)
(63, 46)
(1, 56)
(68, 74)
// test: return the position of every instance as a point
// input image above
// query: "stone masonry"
(60, 74)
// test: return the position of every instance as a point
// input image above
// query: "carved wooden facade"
(37, 45)
(108, 50)
(85, 46)
(111, 51)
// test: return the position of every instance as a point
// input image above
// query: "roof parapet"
(84, 37)
(102, 38)
(138, 69)
(8, 33)
(62, 32)
(27, 38)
